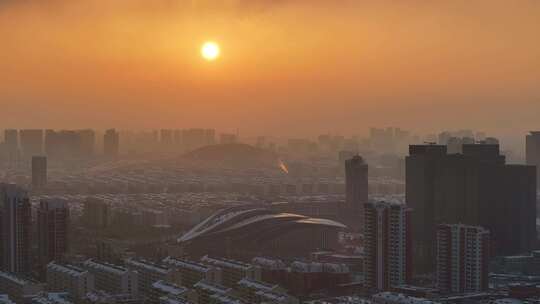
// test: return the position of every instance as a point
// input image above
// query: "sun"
(210, 50)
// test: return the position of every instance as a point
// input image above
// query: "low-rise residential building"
(260, 292)
(149, 273)
(163, 290)
(4, 299)
(112, 278)
(205, 290)
(389, 297)
(53, 298)
(233, 271)
(18, 288)
(74, 280)
(188, 272)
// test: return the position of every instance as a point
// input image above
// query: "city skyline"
(269, 152)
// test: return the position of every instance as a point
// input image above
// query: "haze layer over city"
(269, 152)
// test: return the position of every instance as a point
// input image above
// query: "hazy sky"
(296, 67)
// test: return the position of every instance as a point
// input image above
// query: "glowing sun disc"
(210, 50)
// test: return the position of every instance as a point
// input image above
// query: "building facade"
(74, 280)
(233, 271)
(188, 273)
(475, 188)
(113, 279)
(52, 223)
(387, 237)
(149, 273)
(532, 152)
(16, 226)
(111, 143)
(19, 289)
(31, 142)
(356, 185)
(39, 172)
(462, 258)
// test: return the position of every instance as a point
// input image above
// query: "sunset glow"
(279, 63)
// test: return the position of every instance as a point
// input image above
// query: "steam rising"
(283, 167)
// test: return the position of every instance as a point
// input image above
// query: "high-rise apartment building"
(533, 153)
(476, 188)
(210, 136)
(196, 138)
(11, 141)
(39, 172)
(356, 184)
(31, 142)
(69, 144)
(96, 213)
(52, 223)
(16, 226)
(166, 137)
(227, 138)
(111, 143)
(462, 258)
(387, 238)
(87, 142)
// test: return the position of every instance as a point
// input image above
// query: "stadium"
(246, 231)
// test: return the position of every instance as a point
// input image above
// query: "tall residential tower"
(387, 237)
(16, 225)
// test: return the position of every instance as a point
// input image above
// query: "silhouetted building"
(533, 153)
(356, 184)
(16, 226)
(11, 140)
(111, 143)
(166, 137)
(63, 144)
(39, 172)
(210, 136)
(474, 188)
(196, 138)
(96, 213)
(31, 142)
(52, 224)
(462, 258)
(387, 239)
(226, 138)
(87, 142)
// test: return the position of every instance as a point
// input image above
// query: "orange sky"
(287, 67)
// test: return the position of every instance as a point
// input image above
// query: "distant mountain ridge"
(233, 155)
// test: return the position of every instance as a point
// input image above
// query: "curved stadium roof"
(252, 222)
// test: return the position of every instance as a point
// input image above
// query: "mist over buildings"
(269, 152)
(287, 67)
